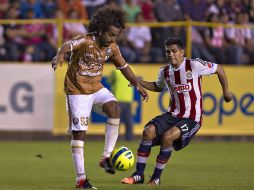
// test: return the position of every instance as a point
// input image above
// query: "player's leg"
(151, 137)
(143, 153)
(79, 108)
(105, 103)
(149, 133)
(176, 137)
(166, 148)
(77, 147)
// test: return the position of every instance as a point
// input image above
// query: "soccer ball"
(122, 158)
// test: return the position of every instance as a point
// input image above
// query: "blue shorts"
(165, 121)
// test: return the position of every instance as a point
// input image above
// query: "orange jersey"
(85, 68)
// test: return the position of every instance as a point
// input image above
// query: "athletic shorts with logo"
(165, 121)
(79, 107)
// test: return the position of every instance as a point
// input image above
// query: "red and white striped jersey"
(184, 86)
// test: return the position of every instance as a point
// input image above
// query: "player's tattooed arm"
(224, 83)
(150, 86)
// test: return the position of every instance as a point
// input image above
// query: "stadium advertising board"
(26, 97)
(220, 118)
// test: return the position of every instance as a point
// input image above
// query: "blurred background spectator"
(132, 9)
(243, 39)
(34, 5)
(195, 10)
(92, 5)
(147, 9)
(127, 52)
(36, 41)
(140, 39)
(67, 5)
(214, 38)
(3, 8)
(72, 29)
(3, 48)
(49, 7)
(199, 48)
(166, 11)
(13, 41)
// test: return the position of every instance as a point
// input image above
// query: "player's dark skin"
(175, 57)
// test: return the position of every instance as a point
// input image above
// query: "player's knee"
(149, 133)
(113, 110)
(116, 110)
(167, 139)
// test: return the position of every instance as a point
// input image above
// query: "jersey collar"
(181, 65)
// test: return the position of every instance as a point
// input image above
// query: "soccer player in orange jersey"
(83, 87)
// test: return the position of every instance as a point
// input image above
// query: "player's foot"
(134, 179)
(84, 184)
(105, 163)
(155, 181)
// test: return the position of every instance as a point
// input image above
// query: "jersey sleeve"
(116, 57)
(204, 67)
(160, 82)
(77, 42)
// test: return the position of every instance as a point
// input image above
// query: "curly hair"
(105, 17)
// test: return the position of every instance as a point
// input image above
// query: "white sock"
(77, 148)
(111, 135)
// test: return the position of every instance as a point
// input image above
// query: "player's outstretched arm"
(130, 76)
(224, 83)
(69, 46)
(59, 58)
(150, 86)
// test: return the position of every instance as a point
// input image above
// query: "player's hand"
(58, 59)
(143, 93)
(228, 96)
(130, 85)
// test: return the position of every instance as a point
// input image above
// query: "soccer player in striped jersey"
(175, 128)
(83, 87)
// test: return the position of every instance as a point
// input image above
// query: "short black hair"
(105, 17)
(174, 41)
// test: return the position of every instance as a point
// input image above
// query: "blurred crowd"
(37, 42)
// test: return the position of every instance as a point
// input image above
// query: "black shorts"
(165, 121)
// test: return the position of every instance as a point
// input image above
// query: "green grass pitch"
(200, 166)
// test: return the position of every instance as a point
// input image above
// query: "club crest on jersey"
(75, 121)
(180, 88)
(108, 51)
(189, 74)
(209, 64)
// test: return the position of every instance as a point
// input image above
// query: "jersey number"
(84, 121)
(184, 127)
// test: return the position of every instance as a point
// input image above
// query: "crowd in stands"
(37, 42)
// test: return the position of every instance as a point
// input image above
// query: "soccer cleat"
(84, 184)
(105, 163)
(134, 179)
(155, 181)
